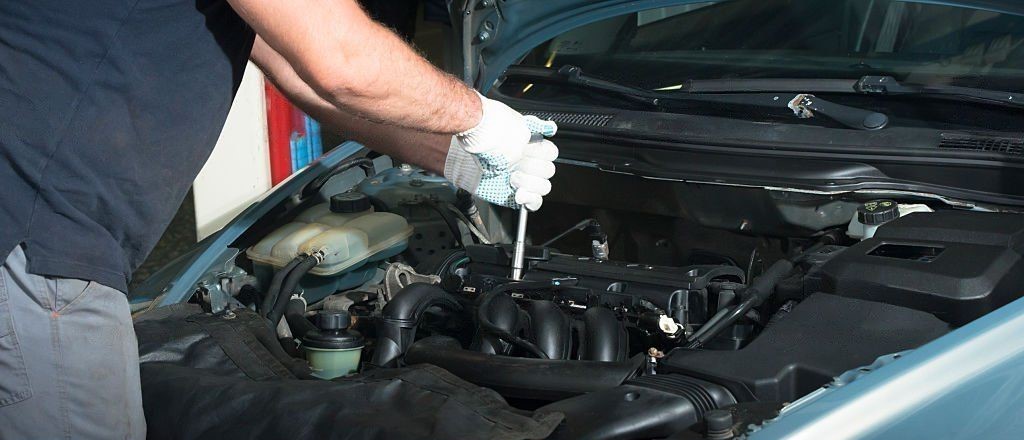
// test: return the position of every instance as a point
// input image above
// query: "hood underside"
(494, 34)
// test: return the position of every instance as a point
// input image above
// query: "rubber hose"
(540, 379)
(711, 322)
(291, 282)
(319, 182)
(453, 224)
(396, 329)
(295, 315)
(275, 286)
(758, 291)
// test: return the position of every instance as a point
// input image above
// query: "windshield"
(914, 42)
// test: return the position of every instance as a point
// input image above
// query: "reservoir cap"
(333, 332)
(350, 202)
(876, 212)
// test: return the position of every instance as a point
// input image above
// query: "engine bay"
(655, 303)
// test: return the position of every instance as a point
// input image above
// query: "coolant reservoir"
(346, 230)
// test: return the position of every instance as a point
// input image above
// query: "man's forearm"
(427, 150)
(361, 68)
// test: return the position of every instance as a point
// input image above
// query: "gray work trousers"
(69, 361)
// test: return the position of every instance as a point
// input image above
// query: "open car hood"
(928, 161)
(493, 34)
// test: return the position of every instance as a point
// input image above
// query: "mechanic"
(108, 110)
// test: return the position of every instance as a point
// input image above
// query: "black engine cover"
(957, 265)
(822, 337)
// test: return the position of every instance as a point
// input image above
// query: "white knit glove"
(496, 160)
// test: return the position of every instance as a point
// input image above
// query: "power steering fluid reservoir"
(333, 350)
(346, 230)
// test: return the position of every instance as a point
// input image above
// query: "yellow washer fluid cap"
(348, 240)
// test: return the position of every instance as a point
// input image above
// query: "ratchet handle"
(519, 247)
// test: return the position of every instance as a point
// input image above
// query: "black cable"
(275, 286)
(319, 182)
(378, 204)
(756, 293)
(291, 282)
(577, 227)
(446, 215)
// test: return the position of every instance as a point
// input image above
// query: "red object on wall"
(279, 127)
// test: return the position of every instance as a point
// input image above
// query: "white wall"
(238, 171)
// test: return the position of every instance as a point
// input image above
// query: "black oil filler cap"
(876, 212)
(350, 202)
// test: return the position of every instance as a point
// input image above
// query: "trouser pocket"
(14, 385)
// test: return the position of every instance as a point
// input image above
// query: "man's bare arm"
(357, 66)
(427, 150)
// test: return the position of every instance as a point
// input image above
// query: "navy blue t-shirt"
(108, 110)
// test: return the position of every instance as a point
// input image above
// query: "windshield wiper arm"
(803, 105)
(806, 106)
(573, 75)
(865, 85)
(887, 85)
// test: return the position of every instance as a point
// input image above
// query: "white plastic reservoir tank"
(346, 230)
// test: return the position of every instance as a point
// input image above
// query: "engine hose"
(756, 294)
(295, 315)
(397, 327)
(291, 282)
(449, 219)
(363, 162)
(275, 286)
(489, 327)
(711, 322)
(758, 291)
(527, 378)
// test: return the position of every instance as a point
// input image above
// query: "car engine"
(622, 310)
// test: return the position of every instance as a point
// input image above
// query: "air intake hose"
(528, 378)
(397, 327)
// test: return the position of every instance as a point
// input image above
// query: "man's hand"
(497, 162)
